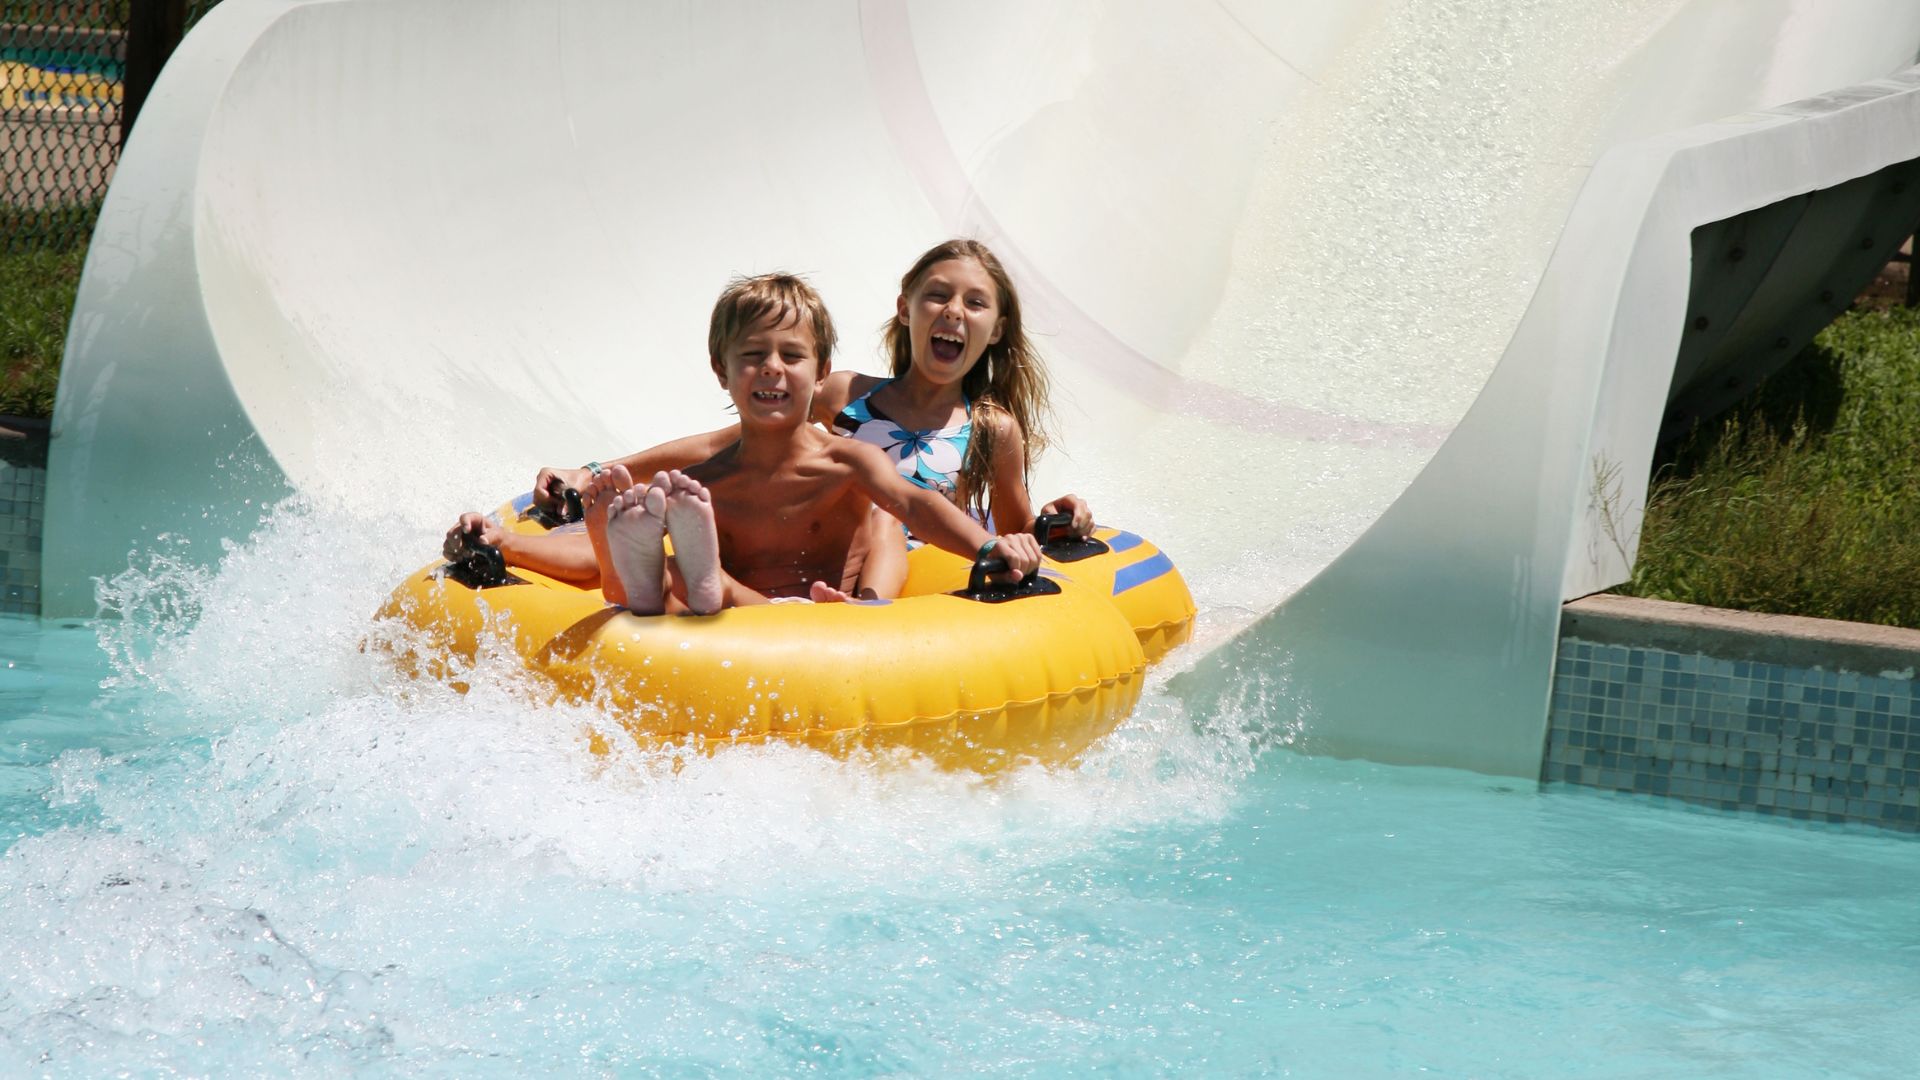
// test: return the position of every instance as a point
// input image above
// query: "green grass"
(36, 301)
(1807, 502)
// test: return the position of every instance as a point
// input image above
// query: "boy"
(782, 512)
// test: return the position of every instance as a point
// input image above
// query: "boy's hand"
(1077, 506)
(1022, 553)
(551, 482)
(471, 526)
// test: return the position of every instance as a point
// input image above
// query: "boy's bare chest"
(785, 518)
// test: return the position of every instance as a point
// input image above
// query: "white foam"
(313, 844)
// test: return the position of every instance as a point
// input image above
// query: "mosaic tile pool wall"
(23, 494)
(1761, 714)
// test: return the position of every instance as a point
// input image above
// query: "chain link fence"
(72, 73)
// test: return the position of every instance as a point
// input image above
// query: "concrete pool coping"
(1781, 715)
(1829, 644)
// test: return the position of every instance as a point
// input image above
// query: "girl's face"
(951, 316)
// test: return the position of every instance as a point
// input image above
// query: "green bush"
(36, 300)
(39, 275)
(1807, 501)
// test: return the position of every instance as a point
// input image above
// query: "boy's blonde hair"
(1010, 377)
(783, 297)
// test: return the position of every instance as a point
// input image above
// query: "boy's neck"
(766, 448)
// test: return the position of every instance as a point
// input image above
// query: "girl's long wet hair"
(1010, 377)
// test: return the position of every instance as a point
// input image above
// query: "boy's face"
(772, 373)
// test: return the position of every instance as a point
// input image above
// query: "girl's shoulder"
(841, 389)
(999, 422)
(845, 387)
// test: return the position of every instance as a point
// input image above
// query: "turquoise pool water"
(235, 844)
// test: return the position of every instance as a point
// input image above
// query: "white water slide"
(1368, 311)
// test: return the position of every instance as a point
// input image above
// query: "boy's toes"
(822, 593)
(655, 496)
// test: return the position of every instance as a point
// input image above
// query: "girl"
(964, 413)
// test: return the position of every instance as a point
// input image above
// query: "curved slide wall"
(1275, 252)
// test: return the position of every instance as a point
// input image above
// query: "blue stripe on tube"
(1142, 572)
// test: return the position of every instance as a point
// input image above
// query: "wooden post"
(154, 27)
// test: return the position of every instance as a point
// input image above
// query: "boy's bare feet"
(696, 543)
(636, 518)
(594, 497)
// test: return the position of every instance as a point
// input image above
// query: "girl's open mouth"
(947, 348)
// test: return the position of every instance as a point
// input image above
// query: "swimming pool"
(236, 843)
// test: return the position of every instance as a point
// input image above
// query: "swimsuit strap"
(857, 411)
(872, 390)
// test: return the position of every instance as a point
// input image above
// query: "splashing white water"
(311, 843)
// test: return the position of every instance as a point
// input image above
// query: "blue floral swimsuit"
(931, 459)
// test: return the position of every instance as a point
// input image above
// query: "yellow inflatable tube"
(969, 683)
(1137, 577)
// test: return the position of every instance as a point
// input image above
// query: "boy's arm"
(929, 515)
(678, 454)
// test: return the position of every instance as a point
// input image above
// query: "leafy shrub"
(1807, 500)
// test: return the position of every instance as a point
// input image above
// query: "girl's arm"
(1012, 508)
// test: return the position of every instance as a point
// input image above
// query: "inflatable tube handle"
(478, 565)
(572, 509)
(1057, 542)
(987, 592)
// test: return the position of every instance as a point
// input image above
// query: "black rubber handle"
(987, 592)
(982, 569)
(1057, 542)
(1048, 528)
(572, 509)
(477, 565)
